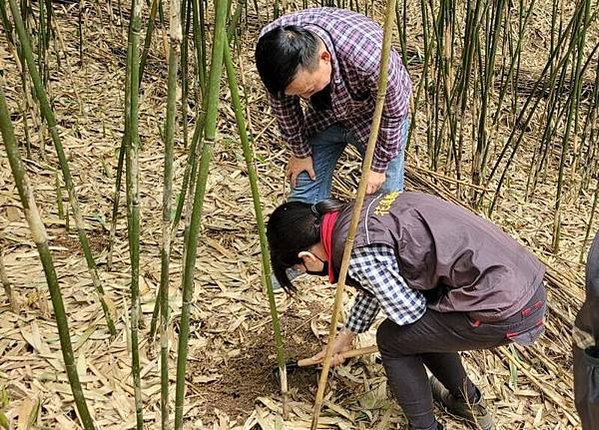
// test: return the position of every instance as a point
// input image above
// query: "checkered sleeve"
(376, 268)
(290, 118)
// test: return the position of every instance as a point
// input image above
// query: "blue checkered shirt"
(375, 267)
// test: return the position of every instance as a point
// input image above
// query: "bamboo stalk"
(10, 294)
(253, 177)
(133, 203)
(578, 39)
(200, 189)
(80, 31)
(199, 41)
(531, 111)
(68, 180)
(186, 19)
(117, 187)
(376, 122)
(38, 233)
(17, 52)
(59, 203)
(169, 132)
(148, 39)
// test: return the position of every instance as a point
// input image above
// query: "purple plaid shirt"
(354, 42)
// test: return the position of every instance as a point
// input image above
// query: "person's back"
(481, 269)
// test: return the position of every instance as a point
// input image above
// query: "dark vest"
(587, 318)
(461, 262)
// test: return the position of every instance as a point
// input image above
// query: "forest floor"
(231, 350)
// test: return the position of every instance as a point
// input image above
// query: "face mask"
(323, 272)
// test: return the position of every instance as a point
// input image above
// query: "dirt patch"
(250, 374)
(98, 240)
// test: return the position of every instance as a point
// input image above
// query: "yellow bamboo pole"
(374, 131)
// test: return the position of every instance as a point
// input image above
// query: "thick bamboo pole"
(376, 122)
(200, 190)
(68, 180)
(38, 233)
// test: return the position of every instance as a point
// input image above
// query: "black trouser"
(586, 386)
(434, 341)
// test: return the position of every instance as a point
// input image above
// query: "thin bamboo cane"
(59, 202)
(80, 31)
(41, 44)
(133, 203)
(10, 293)
(578, 38)
(8, 31)
(200, 190)
(121, 158)
(176, 37)
(186, 188)
(480, 156)
(148, 39)
(531, 111)
(376, 122)
(68, 180)
(199, 40)
(253, 177)
(117, 187)
(38, 233)
(186, 15)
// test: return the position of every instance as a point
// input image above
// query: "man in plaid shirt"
(320, 68)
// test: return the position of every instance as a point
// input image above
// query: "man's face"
(308, 82)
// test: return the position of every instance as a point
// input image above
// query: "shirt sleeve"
(290, 117)
(376, 268)
(363, 313)
(392, 133)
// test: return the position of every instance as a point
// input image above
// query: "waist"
(536, 303)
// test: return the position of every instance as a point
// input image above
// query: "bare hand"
(296, 165)
(374, 181)
(342, 343)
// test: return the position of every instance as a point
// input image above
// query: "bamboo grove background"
(107, 97)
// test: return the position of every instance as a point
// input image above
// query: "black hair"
(292, 228)
(281, 52)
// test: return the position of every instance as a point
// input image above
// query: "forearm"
(362, 314)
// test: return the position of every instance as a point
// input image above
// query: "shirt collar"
(328, 43)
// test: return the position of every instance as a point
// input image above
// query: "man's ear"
(325, 56)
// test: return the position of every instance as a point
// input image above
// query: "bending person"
(446, 279)
(586, 346)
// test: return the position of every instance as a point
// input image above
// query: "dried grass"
(231, 352)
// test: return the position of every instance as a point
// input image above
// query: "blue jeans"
(327, 147)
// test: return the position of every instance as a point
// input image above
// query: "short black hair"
(292, 228)
(281, 52)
